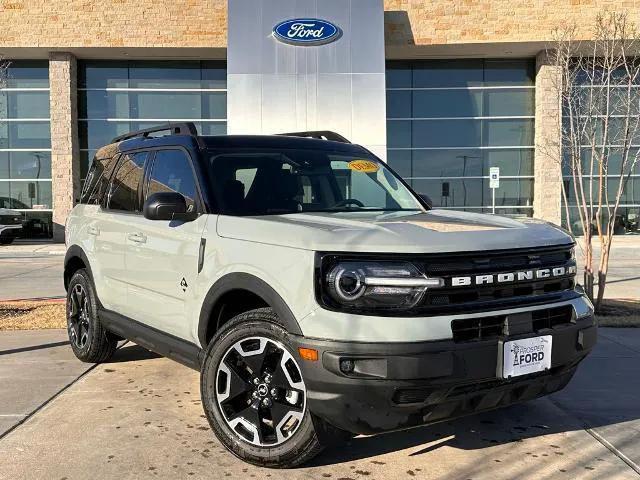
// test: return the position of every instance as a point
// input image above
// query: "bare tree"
(598, 84)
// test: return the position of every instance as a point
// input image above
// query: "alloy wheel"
(260, 391)
(78, 316)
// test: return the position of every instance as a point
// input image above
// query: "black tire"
(303, 443)
(90, 342)
(6, 241)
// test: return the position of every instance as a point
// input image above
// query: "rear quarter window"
(97, 181)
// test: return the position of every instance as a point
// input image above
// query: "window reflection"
(449, 121)
(25, 162)
(117, 97)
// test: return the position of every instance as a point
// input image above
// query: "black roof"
(278, 141)
(186, 134)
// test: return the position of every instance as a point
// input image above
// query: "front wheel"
(6, 241)
(254, 395)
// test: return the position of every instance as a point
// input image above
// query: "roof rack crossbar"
(186, 128)
(319, 134)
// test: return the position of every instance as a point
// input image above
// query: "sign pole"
(493, 201)
(494, 183)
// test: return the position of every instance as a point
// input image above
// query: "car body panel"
(162, 271)
(288, 271)
(435, 231)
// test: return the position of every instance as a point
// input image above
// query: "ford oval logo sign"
(306, 31)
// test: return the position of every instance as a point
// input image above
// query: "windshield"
(269, 182)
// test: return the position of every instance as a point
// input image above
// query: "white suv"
(317, 294)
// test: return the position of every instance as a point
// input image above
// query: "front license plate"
(528, 355)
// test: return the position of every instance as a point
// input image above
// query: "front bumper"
(401, 385)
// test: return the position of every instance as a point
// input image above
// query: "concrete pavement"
(623, 280)
(34, 367)
(140, 417)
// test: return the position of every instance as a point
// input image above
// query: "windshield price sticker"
(364, 166)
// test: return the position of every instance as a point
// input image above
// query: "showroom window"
(116, 97)
(627, 219)
(449, 121)
(25, 146)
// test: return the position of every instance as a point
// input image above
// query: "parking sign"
(494, 177)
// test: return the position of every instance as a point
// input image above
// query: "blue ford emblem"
(306, 31)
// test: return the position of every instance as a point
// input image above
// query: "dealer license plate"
(528, 355)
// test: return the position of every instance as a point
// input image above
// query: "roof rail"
(187, 128)
(320, 134)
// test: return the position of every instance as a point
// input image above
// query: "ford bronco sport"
(317, 294)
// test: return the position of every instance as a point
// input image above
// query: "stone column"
(547, 190)
(65, 154)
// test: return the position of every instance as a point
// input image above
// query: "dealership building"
(444, 91)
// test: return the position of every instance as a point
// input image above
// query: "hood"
(434, 231)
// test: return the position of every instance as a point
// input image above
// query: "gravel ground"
(31, 315)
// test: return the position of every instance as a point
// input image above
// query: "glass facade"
(449, 121)
(25, 146)
(115, 97)
(628, 215)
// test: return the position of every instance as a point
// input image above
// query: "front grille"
(472, 297)
(551, 317)
(10, 220)
(492, 327)
(468, 329)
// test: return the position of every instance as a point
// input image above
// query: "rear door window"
(123, 192)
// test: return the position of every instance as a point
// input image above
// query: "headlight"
(363, 285)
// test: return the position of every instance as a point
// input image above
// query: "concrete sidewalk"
(140, 416)
(34, 367)
(26, 248)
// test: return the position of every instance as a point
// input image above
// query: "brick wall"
(203, 23)
(113, 23)
(441, 22)
(547, 193)
(65, 161)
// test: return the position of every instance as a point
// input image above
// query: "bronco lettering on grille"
(507, 277)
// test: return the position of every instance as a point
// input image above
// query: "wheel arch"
(241, 283)
(74, 260)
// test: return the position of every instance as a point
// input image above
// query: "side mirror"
(426, 200)
(167, 206)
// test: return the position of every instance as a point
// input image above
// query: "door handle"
(137, 237)
(93, 231)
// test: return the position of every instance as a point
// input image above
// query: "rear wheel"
(6, 241)
(89, 341)
(254, 394)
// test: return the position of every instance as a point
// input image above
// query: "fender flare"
(245, 281)
(72, 252)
